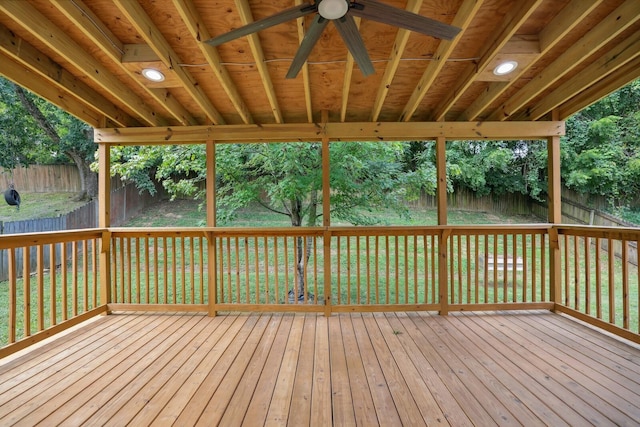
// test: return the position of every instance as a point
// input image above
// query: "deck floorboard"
(499, 368)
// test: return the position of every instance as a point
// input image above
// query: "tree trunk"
(88, 178)
(304, 245)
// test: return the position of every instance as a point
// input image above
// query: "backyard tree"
(17, 138)
(601, 151)
(498, 167)
(35, 131)
(286, 178)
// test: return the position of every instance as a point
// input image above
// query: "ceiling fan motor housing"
(333, 9)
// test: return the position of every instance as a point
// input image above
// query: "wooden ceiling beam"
(55, 81)
(610, 27)
(549, 37)
(57, 40)
(154, 38)
(619, 78)
(614, 59)
(95, 30)
(305, 68)
(397, 50)
(462, 20)
(514, 19)
(258, 54)
(303, 132)
(199, 32)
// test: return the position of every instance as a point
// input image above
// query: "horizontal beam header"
(304, 132)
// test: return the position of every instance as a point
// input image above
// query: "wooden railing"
(364, 268)
(491, 267)
(590, 273)
(54, 283)
(156, 268)
(599, 277)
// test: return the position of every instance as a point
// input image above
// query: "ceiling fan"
(341, 12)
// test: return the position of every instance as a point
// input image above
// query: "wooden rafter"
(621, 77)
(44, 30)
(80, 54)
(617, 21)
(258, 55)
(512, 22)
(616, 58)
(154, 38)
(305, 69)
(55, 84)
(394, 61)
(199, 32)
(549, 37)
(462, 20)
(91, 27)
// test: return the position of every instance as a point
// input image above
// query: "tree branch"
(35, 112)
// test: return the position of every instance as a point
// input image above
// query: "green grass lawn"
(39, 205)
(187, 213)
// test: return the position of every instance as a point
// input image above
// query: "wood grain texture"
(532, 368)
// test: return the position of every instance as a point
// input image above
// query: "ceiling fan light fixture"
(333, 9)
(153, 75)
(505, 68)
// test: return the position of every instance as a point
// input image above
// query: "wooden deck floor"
(350, 369)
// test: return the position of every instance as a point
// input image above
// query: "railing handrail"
(8, 241)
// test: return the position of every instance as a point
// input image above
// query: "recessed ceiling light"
(153, 74)
(505, 67)
(333, 9)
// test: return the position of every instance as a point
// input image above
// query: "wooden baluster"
(13, 294)
(625, 284)
(612, 284)
(52, 285)
(587, 277)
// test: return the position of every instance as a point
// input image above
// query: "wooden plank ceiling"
(86, 56)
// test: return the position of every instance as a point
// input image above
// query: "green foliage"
(23, 141)
(601, 151)
(18, 132)
(287, 178)
(498, 167)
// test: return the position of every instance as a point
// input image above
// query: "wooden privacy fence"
(82, 218)
(42, 179)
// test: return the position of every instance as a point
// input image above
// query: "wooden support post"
(212, 279)
(443, 274)
(104, 221)
(554, 217)
(441, 166)
(326, 217)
